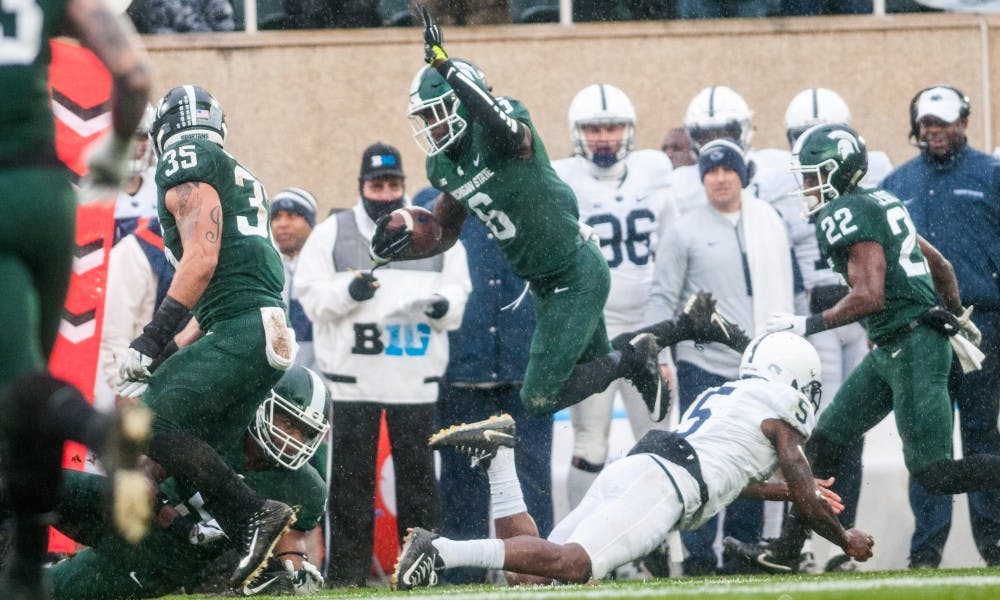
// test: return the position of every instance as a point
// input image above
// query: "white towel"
(970, 357)
(770, 260)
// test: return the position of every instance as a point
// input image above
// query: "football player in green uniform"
(896, 278)
(216, 233)
(36, 251)
(486, 157)
(272, 454)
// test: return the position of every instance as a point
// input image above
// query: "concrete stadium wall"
(302, 105)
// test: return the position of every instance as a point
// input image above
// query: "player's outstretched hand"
(858, 545)
(434, 54)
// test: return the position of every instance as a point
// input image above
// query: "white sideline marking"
(727, 586)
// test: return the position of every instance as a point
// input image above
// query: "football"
(424, 230)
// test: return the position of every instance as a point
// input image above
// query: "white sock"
(488, 554)
(505, 488)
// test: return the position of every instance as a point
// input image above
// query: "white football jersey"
(723, 426)
(689, 193)
(879, 166)
(140, 204)
(629, 217)
(773, 180)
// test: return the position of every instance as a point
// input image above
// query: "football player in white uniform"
(841, 349)
(624, 195)
(729, 443)
(137, 194)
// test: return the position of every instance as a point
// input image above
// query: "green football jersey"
(249, 274)
(26, 125)
(878, 216)
(532, 213)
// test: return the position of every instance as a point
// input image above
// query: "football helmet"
(143, 156)
(783, 357)
(186, 112)
(303, 400)
(814, 106)
(831, 160)
(436, 115)
(716, 112)
(601, 104)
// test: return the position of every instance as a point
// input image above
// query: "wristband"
(815, 324)
(167, 320)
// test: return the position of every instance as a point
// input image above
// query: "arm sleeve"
(483, 108)
(320, 289)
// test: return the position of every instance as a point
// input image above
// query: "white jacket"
(384, 349)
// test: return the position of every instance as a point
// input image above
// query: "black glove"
(433, 52)
(438, 308)
(387, 245)
(363, 287)
(940, 320)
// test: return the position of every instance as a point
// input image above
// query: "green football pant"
(569, 329)
(213, 387)
(910, 377)
(37, 237)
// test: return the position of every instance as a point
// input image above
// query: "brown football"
(423, 228)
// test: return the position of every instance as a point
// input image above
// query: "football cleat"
(419, 561)
(759, 555)
(132, 492)
(703, 323)
(645, 375)
(257, 538)
(480, 440)
(840, 563)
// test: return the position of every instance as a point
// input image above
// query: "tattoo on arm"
(188, 207)
(214, 235)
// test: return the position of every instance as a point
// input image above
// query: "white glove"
(307, 580)
(107, 160)
(786, 322)
(132, 373)
(968, 329)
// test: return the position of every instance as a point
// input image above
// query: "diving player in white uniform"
(624, 195)
(729, 442)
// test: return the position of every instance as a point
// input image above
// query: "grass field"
(965, 584)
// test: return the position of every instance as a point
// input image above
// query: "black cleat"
(419, 561)
(760, 556)
(131, 490)
(480, 440)
(840, 563)
(257, 538)
(644, 373)
(704, 324)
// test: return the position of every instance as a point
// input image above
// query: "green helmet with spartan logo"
(831, 160)
(436, 114)
(299, 401)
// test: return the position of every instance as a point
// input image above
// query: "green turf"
(965, 584)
